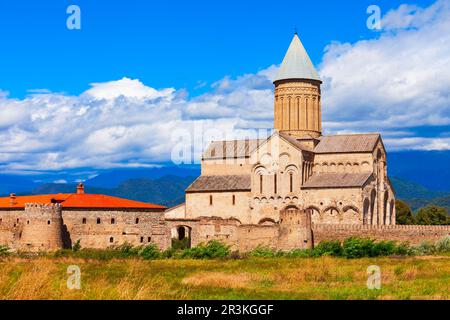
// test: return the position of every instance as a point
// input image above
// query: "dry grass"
(221, 280)
(277, 278)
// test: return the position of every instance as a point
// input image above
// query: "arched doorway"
(181, 237)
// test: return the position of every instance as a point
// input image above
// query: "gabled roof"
(231, 149)
(337, 180)
(347, 143)
(297, 64)
(221, 183)
(73, 200)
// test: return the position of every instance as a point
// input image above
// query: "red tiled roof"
(73, 200)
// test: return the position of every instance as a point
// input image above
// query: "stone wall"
(106, 228)
(412, 234)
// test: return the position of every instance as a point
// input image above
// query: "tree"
(403, 213)
(432, 215)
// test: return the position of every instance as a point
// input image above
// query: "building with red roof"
(55, 221)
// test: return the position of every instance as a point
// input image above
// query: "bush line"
(350, 248)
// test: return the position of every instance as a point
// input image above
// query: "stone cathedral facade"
(336, 179)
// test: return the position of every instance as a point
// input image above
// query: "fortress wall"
(116, 227)
(42, 228)
(10, 227)
(410, 233)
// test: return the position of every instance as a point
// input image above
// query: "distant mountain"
(113, 178)
(16, 184)
(411, 190)
(167, 190)
(430, 169)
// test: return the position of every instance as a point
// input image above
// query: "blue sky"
(140, 76)
(181, 44)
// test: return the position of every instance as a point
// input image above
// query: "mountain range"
(419, 178)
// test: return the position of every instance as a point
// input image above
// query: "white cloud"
(399, 79)
(130, 88)
(391, 84)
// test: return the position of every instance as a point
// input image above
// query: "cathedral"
(338, 179)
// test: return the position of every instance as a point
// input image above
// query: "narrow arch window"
(291, 182)
(84, 220)
(99, 220)
(275, 183)
(210, 200)
(149, 239)
(1, 220)
(111, 240)
(142, 239)
(28, 222)
(260, 183)
(137, 220)
(113, 221)
(48, 222)
(18, 220)
(234, 200)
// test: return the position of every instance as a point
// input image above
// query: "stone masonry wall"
(106, 228)
(410, 233)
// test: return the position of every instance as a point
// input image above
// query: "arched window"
(366, 206)
(99, 220)
(149, 239)
(142, 239)
(291, 182)
(275, 183)
(84, 221)
(113, 221)
(234, 200)
(48, 222)
(111, 240)
(261, 183)
(137, 220)
(210, 200)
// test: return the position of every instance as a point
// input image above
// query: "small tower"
(295, 229)
(297, 94)
(42, 227)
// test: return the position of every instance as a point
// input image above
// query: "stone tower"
(42, 227)
(297, 94)
(295, 229)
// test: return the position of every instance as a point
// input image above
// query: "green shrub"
(299, 253)
(263, 252)
(180, 244)
(383, 248)
(212, 250)
(4, 251)
(126, 250)
(77, 246)
(328, 248)
(443, 245)
(424, 248)
(150, 252)
(357, 248)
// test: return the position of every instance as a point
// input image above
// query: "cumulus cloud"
(393, 83)
(398, 80)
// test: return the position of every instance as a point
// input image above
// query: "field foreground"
(253, 278)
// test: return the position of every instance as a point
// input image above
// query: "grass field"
(252, 278)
